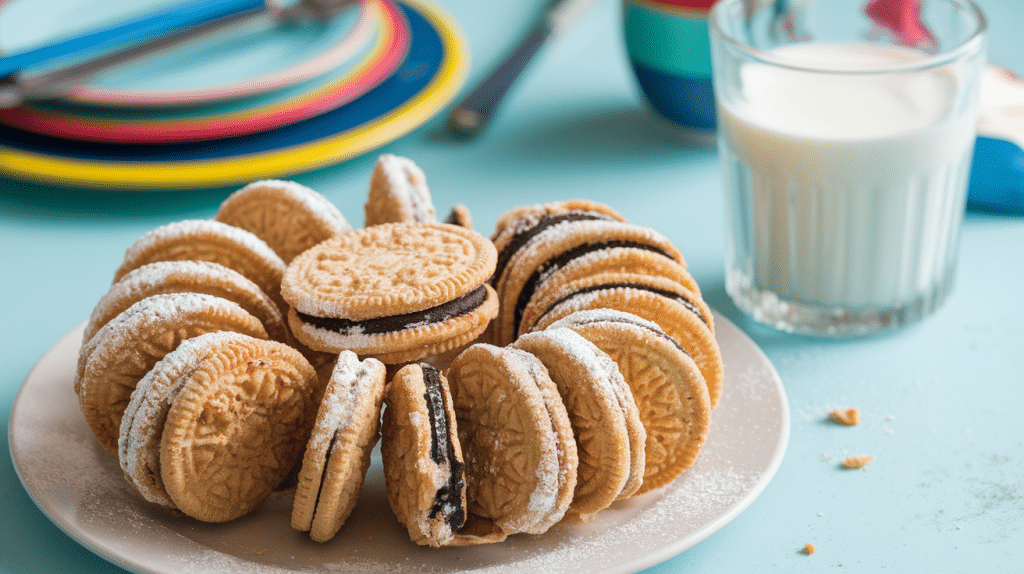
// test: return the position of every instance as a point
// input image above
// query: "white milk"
(849, 189)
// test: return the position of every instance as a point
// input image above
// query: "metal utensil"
(16, 89)
(477, 108)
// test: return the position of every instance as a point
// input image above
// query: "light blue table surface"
(942, 402)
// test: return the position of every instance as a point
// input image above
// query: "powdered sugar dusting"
(181, 230)
(311, 201)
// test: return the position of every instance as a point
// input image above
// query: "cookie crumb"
(808, 549)
(846, 417)
(857, 461)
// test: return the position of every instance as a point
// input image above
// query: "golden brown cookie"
(287, 215)
(398, 193)
(461, 216)
(236, 428)
(516, 437)
(424, 471)
(126, 348)
(338, 451)
(667, 387)
(681, 314)
(526, 218)
(398, 292)
(188, 277)
(556, 247)
(587, 378)
(208, 240)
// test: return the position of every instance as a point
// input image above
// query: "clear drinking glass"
(846, 132)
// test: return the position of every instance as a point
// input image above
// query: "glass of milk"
(846, 130)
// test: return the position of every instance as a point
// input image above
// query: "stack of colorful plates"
(260, 99)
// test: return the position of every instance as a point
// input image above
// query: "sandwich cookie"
(424, 472)
(599, 404)
(461, 216)
(398, 292)
(398, 193)
(521, 220)
(338, 452)
(681, 314)
(142, 425)
(208, 240)
(236, 427)
(287, 215)
(521, 458)
(556, 247)
(667, 386)
(120, 354)
(188, 277)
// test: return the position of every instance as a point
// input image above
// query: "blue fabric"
(997, 176)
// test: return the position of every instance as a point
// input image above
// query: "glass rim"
(970, 44)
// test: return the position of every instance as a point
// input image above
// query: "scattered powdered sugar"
(408, 184)
(311, 201)
(188, 228)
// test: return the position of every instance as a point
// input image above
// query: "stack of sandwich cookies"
(681, 314)
(609, 434)
(207, 240)
(235, 426)
(165, 277)
(521, 459)
(126, 348)
(287, 215)
(424, 471)
(667, 386)
(337, 454)
(555, 247)
(398, 292)
(518, 224)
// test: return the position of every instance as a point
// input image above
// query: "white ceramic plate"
(79, 486)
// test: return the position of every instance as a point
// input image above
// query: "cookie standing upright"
(126, 348)
(521, 457)
(668, 388)
(609, 437)
(337, 454)
(424, 471)
(236, 428)
(287, 215)
(398, 193)
(398, 292)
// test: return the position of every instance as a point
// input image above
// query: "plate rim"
(636, 564)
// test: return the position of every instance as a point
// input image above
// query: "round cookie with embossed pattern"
(667, 386)
(424, 471)
(607, 431)
(287, 215)
(338, 451)
(521, 458)
(399, 292)
(236, 428)
(126, 348)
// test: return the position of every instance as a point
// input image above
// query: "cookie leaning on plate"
(424, 472)
(521, 458)
(668, 388)
(398, 292)
(287, 215)
(338, 451)
(236, 427)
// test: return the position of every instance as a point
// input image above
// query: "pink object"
(903, 19)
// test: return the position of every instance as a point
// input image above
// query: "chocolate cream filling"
(448, 499)
(454, 308)
(658, 332)
(560, 260)
(517, 241)
(682, 299)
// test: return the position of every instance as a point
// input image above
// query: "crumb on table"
(808, 549)
(857, 461)
(847, 417)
